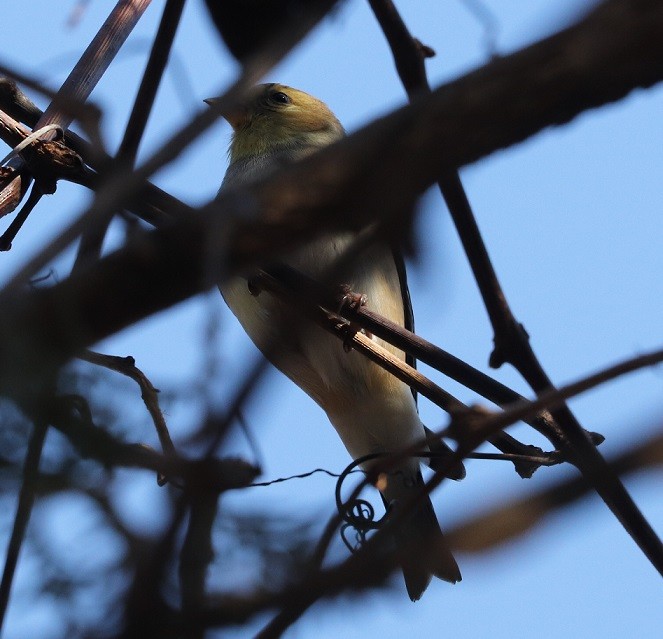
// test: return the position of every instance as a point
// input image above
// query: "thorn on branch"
(424, 49)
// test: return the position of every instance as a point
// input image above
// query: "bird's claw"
(350, 299)
(353, 301)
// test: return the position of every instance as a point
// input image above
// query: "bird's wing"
(408, 313)
(436, 445)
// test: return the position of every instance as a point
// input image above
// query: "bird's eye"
(280, 98)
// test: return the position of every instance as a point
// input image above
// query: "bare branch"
(513, 520)
(456, 124)
(89, 69)
(369, 567)
(125, 185)
(149, 394)
(93, 237)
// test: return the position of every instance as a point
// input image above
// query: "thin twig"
(8, 236)
(149, 394)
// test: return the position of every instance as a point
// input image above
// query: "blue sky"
(572, 221)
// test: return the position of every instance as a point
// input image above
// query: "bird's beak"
(236, 115)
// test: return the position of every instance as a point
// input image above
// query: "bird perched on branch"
(372, 411)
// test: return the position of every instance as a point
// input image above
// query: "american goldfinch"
(371, 410)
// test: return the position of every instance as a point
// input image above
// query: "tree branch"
(88, 70)
(615, 49)
(93, 237)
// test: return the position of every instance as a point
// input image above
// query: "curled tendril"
(362, 514)
(358, 514)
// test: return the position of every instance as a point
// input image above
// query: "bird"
(372, 411)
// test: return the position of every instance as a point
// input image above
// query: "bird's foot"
(349, 299)
(353, 301)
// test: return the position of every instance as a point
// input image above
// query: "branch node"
(424, 50)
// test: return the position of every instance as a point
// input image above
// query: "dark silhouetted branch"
(498, 105)
(92, 239)
(511, 339)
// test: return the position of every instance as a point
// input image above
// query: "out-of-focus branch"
(147, 91)
(144, 595)
(482, 425)
(196, 555)
(455, 125)
(23, 511)
(70, 416)
(477, 535)
(515, 519)
(125, 184)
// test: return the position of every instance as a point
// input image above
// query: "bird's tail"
(423, 550)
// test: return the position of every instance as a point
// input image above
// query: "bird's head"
(275, 118)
